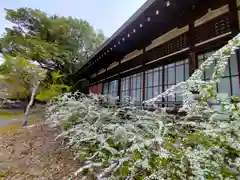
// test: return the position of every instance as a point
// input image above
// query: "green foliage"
(51, 91)
(56, 76)
(20, 75)
(56, 43)
(60, 45)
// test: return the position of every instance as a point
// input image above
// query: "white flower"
(114, 139)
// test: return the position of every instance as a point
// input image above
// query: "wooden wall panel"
(212, 14)
(167, 37)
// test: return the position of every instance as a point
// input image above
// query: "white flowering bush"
(132, 143)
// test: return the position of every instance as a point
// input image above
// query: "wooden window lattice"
(222, 26)
(211, 29)
(175, 45)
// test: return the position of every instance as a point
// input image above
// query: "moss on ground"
(17, 125)
(10, 115)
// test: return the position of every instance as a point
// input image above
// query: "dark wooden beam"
(192, 62)
(102, 87)
(119, 84)
(234, 16)
(238, 63)
(191, 43)
(119, 87)
(129, 87)
(163, 84)
(213, 45)
(144, 78)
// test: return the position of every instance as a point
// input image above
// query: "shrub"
(131, 143)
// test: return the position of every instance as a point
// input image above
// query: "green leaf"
(56, 75)
(137, 155)
(124, 171)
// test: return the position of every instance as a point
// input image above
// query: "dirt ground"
(33, 154)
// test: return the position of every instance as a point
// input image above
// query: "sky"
(107, 15)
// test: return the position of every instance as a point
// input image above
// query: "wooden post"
(143, 84)
(105, 81)
(119, 87)
(238, 63)
(191, 43)
(192, 62)
(102, 87)
(119, 83)
(144, 79)
(234, 16)
(234, 24)
(163, 84)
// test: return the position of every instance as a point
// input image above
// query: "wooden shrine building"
(161, 45)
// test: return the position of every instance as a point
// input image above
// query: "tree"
(23, 76)
(20, 72)
(50, 90)
(56, 43)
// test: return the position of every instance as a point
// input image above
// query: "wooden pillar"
(192, 54)
(163, 83)
(234, 24)
(192, 62)
(119, 83)
(102, 87)
(144, 77)
(238, 63)
(143, 83)
(119, 87)
(96, 84)
(129, 85)
(105, 81)
(234, 16)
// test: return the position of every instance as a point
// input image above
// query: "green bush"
(131, 143)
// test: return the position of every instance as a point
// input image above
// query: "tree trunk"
(35, 87)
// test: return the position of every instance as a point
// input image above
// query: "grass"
(17, 125)
(10, 115)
